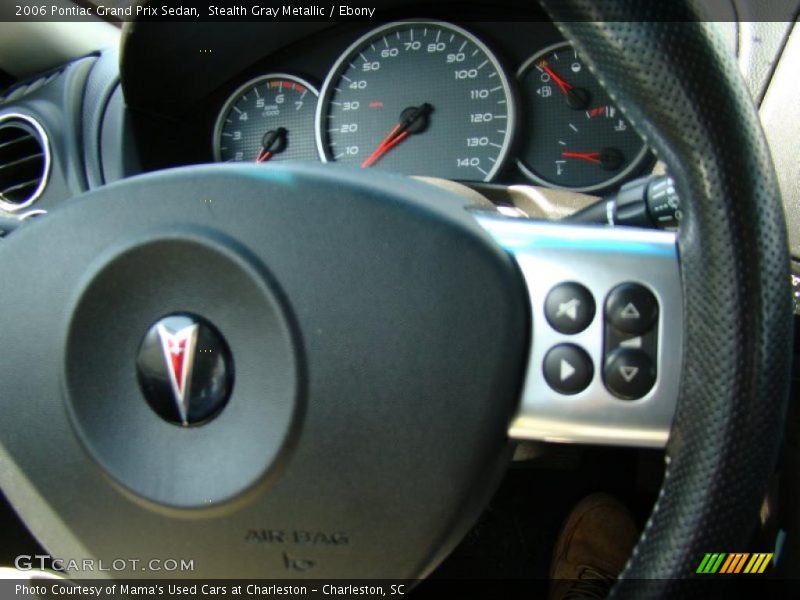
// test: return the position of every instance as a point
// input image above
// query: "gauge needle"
(412, 120)
(609, 159)
(274, 142)
(593, 157)
(577, 98)
(597, 112)
(562, 85)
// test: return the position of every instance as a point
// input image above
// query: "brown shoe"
(595, 543)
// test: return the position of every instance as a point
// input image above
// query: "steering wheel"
(302, 371)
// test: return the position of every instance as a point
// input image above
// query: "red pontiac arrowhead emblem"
(179, 351)
(185, 369)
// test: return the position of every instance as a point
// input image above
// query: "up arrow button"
(630, 312)
(631, 308)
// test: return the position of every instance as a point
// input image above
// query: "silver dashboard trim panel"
(599, 258)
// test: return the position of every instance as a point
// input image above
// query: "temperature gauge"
(574, 136)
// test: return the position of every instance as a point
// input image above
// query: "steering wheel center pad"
(379, 337)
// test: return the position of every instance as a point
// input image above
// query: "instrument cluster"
(431, 98)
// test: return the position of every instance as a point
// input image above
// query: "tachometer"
(268, 118)
(576, 137)
(419, 98)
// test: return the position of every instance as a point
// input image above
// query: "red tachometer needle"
(263, 155)
(399, 132)
(593, 157)
(562, 85)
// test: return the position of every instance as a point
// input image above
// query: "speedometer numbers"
(575, 137)
(270, 118)
(417, 98)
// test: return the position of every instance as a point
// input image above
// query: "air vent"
(24, 161)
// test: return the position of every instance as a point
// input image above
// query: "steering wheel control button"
(631, 308)
(185, 369)
(569, 308)
(629, 374)
(568, 369)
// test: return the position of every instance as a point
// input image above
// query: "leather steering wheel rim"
(682, 91)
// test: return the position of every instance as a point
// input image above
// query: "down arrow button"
(629, 374)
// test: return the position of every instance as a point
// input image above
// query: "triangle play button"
(567, 370)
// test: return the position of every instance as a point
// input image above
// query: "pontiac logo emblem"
(185, 369)
(179, 349)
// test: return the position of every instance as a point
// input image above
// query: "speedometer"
(418, 98)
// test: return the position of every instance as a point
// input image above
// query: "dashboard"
(474, 101)
(164, 99)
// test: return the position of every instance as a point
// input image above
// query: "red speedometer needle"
(562, 85)
(412, 120)
(390, 141)
(589, 156)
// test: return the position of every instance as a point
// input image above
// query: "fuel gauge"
(574, 137)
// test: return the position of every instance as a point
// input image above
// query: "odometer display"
(420, 99)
